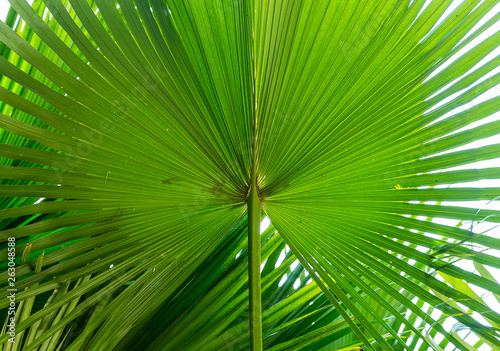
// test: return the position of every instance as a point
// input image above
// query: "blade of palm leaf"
(88, 302)
(242, 329)
(62, 165)
(365, 288)
(47, 176)
(155, 31)
(55, 191)
(200, 282)
(13, 222)
(319, 314)
(209, 41)
(420, 324)
(478, 327)
(105, 11)
(405, 195)
(328, 338)
(46, 239)
(24, 308)
(141, 300)
(327, 334)
(390, 159)
(150, 241)
(289, 291)
(69, 205)
(280, 289)
(235, 334)
(417, 309)
(228, 297)
(10, 20)
(47, 34)
(475, 151)
(450, 160)
(243, 325)
(369, 217)
(45, 336)
(39, 227)
(34, 328)
(382, 220)
(98, 136)
(334, 301)
(464, 287)
(234, 79)
(381, 254)
(97, 311)
(323, 315)
(56, 283)
(86, 338)
(405, 235)
(51, 318)
(485, 273)
(214, 304)
(26, 33)
(316, 339)
(465, 137)
(2, 332)
(82, 149)
(387, 272)
(456, 324)
(435, 161)
(51, 224)
(239, 331)
(70, 307)
(426, 259)
(395, 324)
(346, 289)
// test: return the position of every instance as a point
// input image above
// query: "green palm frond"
(141, 138)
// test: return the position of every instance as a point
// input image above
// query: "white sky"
(4, 8)
(495, 231)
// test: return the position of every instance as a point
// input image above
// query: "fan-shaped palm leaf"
(136, 134)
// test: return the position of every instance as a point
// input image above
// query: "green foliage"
(130, 135)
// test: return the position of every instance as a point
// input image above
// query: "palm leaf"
(135, 133)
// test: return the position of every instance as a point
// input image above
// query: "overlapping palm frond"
(127, 136)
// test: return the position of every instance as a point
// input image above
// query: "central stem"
(253, 202)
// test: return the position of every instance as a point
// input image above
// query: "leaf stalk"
(253, 202)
